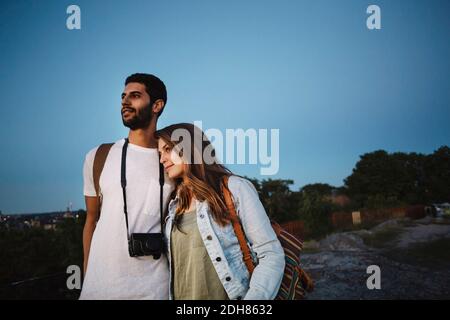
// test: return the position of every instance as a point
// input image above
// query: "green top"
(194, 276)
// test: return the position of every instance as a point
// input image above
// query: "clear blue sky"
(310, 68)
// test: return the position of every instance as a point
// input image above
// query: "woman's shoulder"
(236, 184)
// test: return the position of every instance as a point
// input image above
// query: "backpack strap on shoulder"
(99, 162)
(247, 257)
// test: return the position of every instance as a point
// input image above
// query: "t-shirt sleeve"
(88, 179)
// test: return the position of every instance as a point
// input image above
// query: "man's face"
(136, 108)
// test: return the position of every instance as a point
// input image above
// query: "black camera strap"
(123, 180)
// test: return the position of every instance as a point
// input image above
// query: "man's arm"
(92, 210)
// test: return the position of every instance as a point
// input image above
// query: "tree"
(437, 175)
(381, 179)
(40, 253)
(323, 189)
(278, 200)
(315, 213)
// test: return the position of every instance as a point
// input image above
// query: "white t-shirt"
(111, 272)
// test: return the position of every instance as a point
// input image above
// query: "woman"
(204, 254)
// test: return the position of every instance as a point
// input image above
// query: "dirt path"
(415, 264)
(423, 233)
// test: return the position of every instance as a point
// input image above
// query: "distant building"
(35, 223)
(49, 226)
(68, 213)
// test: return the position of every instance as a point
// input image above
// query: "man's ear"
(158, 106)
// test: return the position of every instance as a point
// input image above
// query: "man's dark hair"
(155, 88)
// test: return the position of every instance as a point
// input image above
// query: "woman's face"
(172, 162)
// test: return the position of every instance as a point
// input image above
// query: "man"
(110, 271)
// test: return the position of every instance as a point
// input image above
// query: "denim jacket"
(223, 247)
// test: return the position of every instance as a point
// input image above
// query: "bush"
(315, 212)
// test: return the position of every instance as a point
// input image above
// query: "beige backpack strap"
(99, 162)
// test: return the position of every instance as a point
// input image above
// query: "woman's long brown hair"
(204, 178)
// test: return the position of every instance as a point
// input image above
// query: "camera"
(146, 244)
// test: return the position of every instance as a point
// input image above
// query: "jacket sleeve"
(266, 278)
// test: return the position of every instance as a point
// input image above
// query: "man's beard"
(140, 119)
